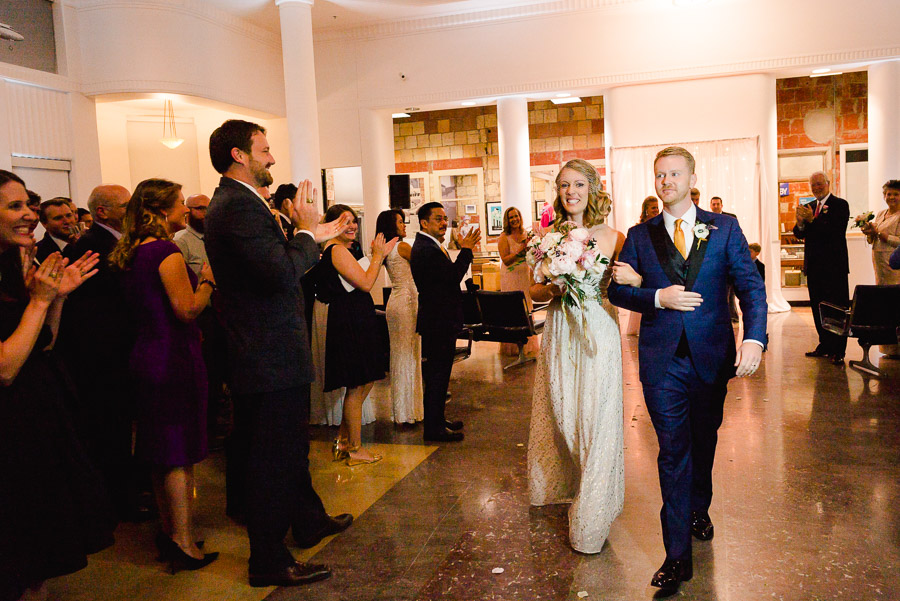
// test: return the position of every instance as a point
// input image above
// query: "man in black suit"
(95, 342)
(823, 228)
(440, 313)
(715, 205)
(270, 362)
(57, 215)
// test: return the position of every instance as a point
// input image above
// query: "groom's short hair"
(424, 212)
(677, 151)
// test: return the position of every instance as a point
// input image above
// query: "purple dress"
(166, 364)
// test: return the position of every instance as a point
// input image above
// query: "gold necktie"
(446, 254)
(679, 238)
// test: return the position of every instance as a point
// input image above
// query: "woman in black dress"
(351, 358)
(53, 508)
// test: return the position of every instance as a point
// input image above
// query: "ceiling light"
(170, 137)
(822, 70)
(468, 103)
(563, 95)
(689, 2)
(566, 100)
(826, 74)
(399, 115)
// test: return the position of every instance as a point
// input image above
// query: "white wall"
(186, 47)
(115, 160)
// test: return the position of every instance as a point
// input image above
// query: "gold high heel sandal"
(353, 461)
(338, 450)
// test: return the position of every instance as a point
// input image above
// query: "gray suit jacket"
(259, 299)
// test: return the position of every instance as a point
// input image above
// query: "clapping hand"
(804, 213)
(28, 267)
(471, 239)
(44, 283)
(624, 274)
(77, 273)
(380, 248)
(332, 229)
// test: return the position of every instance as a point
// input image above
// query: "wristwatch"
(211, 284)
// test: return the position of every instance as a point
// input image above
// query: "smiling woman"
(50, 491)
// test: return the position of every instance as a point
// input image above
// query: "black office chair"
(873, 318)
(505, 318)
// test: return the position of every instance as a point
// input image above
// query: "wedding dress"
(406, 345)
(575, 445)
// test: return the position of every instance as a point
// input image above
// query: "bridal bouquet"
(568, 257)
(863, 218)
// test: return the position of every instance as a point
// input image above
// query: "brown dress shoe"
(295, 574)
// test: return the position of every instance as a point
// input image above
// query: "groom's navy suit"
(687, 357)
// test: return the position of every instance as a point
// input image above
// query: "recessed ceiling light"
(468, 103)
(566, 100)
(400, 115)
(829, 74)
(822, 70)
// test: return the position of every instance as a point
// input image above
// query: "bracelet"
(211, 284)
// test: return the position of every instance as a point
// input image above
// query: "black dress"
(352, 340)
(54, 510)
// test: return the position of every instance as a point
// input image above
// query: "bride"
(575, 445)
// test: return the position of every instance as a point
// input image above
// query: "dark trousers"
(833, 289)
(686, 415)
(273, 428)
(213, 348)
(437, 364)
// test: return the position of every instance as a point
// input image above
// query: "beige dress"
(575, 443)
(881, 253)
(406, 345)
(517, 277)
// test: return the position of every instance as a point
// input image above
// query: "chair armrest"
(834, 318)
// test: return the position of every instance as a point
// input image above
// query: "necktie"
(818, 209)
(444, 250)
(679, 238)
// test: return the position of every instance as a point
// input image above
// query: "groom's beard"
(196, 224)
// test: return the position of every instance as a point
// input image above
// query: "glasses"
(440, 219)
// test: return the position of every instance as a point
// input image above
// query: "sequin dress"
(406, 345)
(575, 448)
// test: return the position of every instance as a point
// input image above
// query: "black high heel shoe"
(163, 541)
(179, 560)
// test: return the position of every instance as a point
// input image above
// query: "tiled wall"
(844, 96)
(467, 137)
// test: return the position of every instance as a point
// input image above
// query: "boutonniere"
(701, 231)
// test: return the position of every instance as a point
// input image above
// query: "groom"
(685, 257)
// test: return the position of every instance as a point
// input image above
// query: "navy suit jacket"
(258, 276)
(437, 280)
(710, 264)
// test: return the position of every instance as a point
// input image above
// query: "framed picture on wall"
(471, 209)
(494, 216)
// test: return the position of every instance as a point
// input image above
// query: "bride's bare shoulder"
(610, 240)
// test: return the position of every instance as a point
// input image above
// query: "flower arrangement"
(863, 218)
(570, 258)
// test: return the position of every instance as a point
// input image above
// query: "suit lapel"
(664, 254)
(698, 252)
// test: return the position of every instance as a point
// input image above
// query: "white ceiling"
(340, 14)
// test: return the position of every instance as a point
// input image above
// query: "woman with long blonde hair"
(575, 448)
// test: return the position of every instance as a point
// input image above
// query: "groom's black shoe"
(701, 526)
(455, 426)
(672, 573)
(331, 525)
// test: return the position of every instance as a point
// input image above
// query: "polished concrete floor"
(806, 505)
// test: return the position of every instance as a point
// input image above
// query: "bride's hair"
(599, 203)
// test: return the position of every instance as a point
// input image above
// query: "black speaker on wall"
(398, 186)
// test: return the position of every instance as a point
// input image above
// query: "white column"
(301, 106)
(884, 129)
(376, 133)
(515, 164)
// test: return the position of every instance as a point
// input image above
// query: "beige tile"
(434, 140)
(580, 142)
(443, 125)
(566, 143)
(447, 139)
(406, 129)
(585, 128)
(456, 152)
(550, 116)
(418, 127)
(412, 142)
(460, 137)
(490, 120)
(419, 154)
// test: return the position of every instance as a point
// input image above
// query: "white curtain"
(729, 169)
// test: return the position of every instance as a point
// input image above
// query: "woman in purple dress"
(166, 363)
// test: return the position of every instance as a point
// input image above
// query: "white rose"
(579, 235)
(701, 231)
(571, 249)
